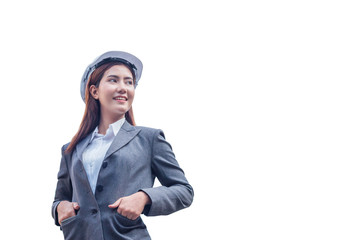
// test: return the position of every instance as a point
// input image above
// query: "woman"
(108, 170)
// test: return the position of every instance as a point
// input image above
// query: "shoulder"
(155, 137)
(150, 132)
(64, 147)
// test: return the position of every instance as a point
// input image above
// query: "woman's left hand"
(131, 206)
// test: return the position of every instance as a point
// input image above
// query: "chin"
(119, 113)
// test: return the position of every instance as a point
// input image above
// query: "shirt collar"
(112, 129)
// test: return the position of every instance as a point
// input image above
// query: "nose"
(121, 87)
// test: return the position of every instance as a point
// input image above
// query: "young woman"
(108, 170)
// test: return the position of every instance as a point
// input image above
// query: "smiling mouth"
(120, 98)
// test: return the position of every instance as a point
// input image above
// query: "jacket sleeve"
(175, 193)
(64, 187)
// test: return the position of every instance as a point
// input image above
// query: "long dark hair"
(91, 116)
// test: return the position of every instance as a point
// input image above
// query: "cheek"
(131, 95)
(106, 92)
(104, 96)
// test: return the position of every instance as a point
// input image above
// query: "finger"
(76, 205)
(115, 204)
(132, 217)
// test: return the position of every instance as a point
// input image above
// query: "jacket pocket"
(70, 228)
(125, 225)
(68, 220)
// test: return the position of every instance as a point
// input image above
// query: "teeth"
(120, 98)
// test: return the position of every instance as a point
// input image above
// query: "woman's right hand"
(66, 209)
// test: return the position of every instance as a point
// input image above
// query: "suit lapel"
(82, 146)
(126, 133)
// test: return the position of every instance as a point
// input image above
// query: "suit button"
(104, 165)
(99, 188)
(94, 211)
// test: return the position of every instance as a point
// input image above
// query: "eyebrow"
(115, 76)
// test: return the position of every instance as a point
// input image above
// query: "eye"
(112, 80)
(130, 82)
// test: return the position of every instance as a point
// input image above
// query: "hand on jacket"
(66, 209)
(131, 206)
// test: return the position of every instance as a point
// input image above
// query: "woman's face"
(115, 92)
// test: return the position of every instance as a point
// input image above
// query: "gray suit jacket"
(136, 156)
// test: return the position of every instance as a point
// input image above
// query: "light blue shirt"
(94, 153)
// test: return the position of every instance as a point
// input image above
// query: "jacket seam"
(153, 143)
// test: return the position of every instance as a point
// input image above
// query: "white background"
(249, 94)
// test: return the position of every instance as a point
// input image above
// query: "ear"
(93, 90)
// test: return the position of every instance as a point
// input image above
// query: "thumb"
(115, 204)
(76, 205)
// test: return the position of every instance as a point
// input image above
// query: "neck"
(105, 122)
